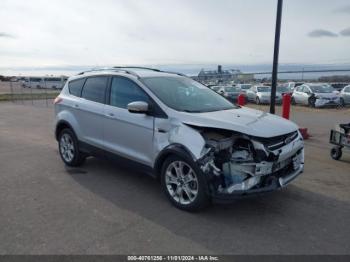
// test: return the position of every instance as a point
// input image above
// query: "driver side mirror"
(138, 107)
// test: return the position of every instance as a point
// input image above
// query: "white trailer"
(54, 82)
(33, 82)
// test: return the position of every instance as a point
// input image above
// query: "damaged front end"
(236, 164)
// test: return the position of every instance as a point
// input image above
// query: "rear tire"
(336, 153)
(184, 184)
(69, 149)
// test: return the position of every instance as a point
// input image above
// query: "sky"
(62, 33)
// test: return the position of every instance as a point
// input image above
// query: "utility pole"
(275, 56)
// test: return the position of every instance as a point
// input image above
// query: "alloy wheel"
(67, 149)
(181, 182)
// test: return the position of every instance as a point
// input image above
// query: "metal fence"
(17, 93)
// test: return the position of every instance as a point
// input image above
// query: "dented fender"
(174, 136)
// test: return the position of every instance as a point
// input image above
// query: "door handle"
(76, 106)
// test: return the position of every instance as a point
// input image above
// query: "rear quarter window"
(76, 86)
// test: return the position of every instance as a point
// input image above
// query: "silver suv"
(201, 146)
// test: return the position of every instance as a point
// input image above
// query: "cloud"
(6, 35)
(322, 33)
(345, 32)
(344, 9)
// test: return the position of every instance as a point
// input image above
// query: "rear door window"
(75, 87)
(95, 89)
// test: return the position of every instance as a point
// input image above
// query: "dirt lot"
(103, 209)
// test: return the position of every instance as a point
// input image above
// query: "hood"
(326, 95)
(268, 94)
(244, 120)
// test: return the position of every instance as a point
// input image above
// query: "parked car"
(230, 92)
(262, 95)
(338, 86)
(244, 87)
(199, 145)
(284, 90)
(345, 96)
(315, 95)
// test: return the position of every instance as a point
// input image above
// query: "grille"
(277, 142)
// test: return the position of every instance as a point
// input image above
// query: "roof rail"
(175, 73)
(124, 70)
(149, 68)
(110, 69)
(138, 67)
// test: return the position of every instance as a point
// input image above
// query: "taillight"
(57, 100)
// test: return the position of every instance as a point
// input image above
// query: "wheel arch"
(173, 149)
(62, 124)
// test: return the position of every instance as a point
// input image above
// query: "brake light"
(57, 100)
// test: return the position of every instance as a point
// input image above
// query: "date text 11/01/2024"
(173, 258)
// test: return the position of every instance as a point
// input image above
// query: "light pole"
(275, 56)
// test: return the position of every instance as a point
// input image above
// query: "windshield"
(264, 89)
(246, 87)
(231, 89)
(187, 95)
(322, 89)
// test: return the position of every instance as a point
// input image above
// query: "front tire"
(257, 101)
(184, 184)
(342, 102)
(69, 149)
(336, 153)
(312, 102)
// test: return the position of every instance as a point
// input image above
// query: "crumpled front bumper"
(289, 166)
(276, 183)
(327, 102)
